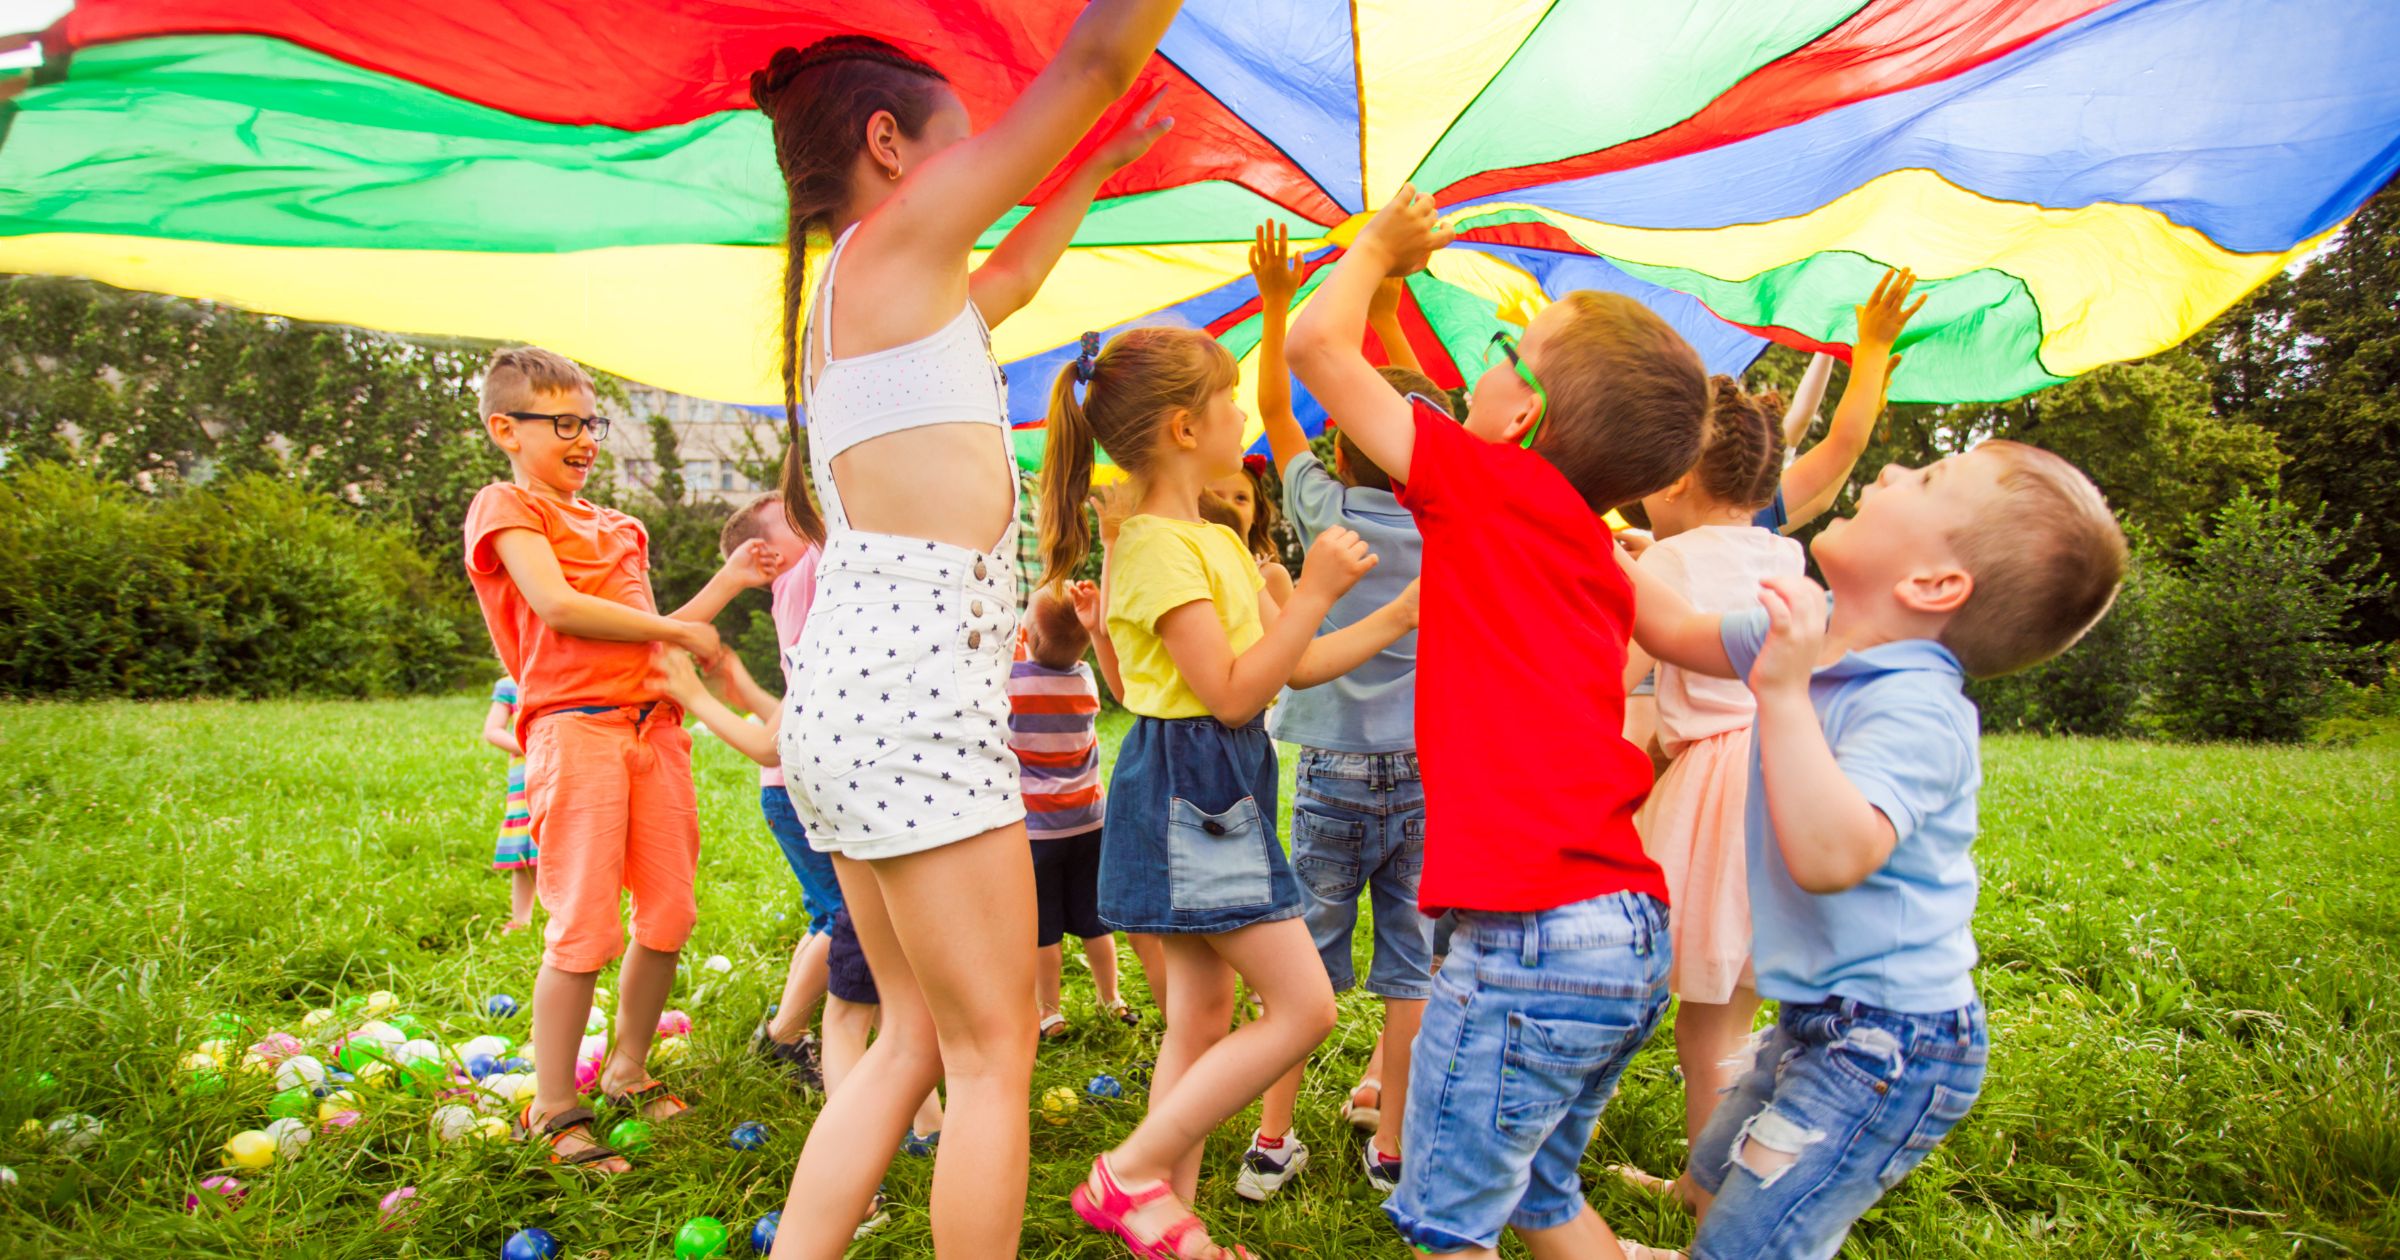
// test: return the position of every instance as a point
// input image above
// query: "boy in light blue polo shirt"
(1358, 813)
(1863, 777)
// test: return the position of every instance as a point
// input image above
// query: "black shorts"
(846, 973)
(1066, 886)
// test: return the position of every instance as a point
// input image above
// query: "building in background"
(721, 445)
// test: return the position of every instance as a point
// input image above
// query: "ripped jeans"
(1840, 1102)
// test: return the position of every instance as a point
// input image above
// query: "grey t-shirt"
(1371, 709)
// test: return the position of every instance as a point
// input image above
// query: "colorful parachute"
(2078, 181)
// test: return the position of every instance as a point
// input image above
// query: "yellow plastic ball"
(201, 1061)
(488, 1129)
(316, 1019)
(249, 1149)
(257, 1065)
(381, 1002)
(1059, 1103)
(670, 1051)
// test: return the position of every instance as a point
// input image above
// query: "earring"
(894, 172)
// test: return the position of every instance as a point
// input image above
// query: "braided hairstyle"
(819, 99)
(1741, 450)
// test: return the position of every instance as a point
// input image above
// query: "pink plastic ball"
(397, 1207)
(587, 1074)
(277, 1047)
(228, 1189)
(674, 1024)
(338, 1121)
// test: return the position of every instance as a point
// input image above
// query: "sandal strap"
(1133, 1198)
(560, 1125)
(643, 1093)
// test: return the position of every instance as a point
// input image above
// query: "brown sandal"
(638, 1099)
(572, 1120)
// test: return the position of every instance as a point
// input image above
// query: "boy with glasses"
(565, 590)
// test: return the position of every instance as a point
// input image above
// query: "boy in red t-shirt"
(565, 591)
(1557, 969)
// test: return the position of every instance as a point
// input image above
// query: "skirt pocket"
(1217, 861)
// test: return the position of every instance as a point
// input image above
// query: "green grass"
(2189, 956)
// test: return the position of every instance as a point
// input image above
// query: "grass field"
(2190, 957)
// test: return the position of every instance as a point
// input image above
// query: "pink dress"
(1692, 823)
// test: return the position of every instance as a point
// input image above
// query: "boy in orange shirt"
(565, 590)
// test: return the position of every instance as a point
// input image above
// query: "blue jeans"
(1532, 1021)
(1860, 1094)
(1358, 823)
(821, 892)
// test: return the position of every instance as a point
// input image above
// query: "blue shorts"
(1189, 847)
(818, 887)
(1860, 1094)
(1532, 1021)
(1358, 824)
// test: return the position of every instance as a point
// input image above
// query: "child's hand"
(1635, 541)
(1336, 561)
(1386, 303)
(700, 639)
(1133, 139)
(1272, 265)
(1085, 596)
(1887, 311)
(1406, 602)
(753, 563)
(1403, 234)
(677, 677)
(1795, 634)
(1113, 503)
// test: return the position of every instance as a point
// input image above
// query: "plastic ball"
(225, 1190)
(500, 1006)
(409, 1024)
(1059, 1103)
(224, 1024)
(762, 1235)
(670, 1051)
(334, 1104)
(201, 1061)
(300, 1070)
(426, 1076)
(351, 1004)
(256, 1064)
(596, 1021)
(75, 1132)
(380, 1003)
(339, 1077)
(717, 963)
(275, 1047)
(487, 1045)
(516, 1063)
(1104, 1086)
(214, 1047)
(488, 1129)
(529, 1244)
(249, 1149)
(338, 1121)
(630, 1137)
(418, 1048)
(291, 1102)
(700, 1238)
(674, 1024)
(594, 1046)
(316, 1019)
(395, 1208)
(482, 1065)
(375, 1073)
(452, 1122)
(30, 1131)
(40, 1083)
(587, 1074)
(205, 1082)
(289, 1136)
(749, 1135)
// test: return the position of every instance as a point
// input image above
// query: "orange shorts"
(613, 811)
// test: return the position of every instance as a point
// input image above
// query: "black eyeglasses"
(566, 424)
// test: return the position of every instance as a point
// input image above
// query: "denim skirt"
(1190, 844)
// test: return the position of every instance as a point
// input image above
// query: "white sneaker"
(1383, 1172)
(1265, 1171)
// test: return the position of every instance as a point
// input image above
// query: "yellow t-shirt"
(1159, 565)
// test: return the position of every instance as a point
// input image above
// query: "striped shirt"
(1053, 716)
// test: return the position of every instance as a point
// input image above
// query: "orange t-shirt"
(603, 552)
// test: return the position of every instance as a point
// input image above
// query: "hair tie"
(1255, 465)
(1089, 361)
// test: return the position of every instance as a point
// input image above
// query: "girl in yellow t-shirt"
(1189, 850)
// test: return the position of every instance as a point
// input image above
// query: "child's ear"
(1942, 591)
(1680, 487)
(1522, 419)
(1182, 431)
(503, 431)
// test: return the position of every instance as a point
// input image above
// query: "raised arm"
(751, 739)
(1383, 317)
(1014, 273)
(1091, 608)
(1329, 656)
(971, 184)
(1324, 348)
(753, 564)
(534, 568)
(1667, 626)
(1239, 688)
(1828, 833)
(1816, 478)
(1278, 276)
(1801, 415)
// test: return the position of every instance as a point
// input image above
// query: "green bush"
(2248, 634)
(2096, 687)
(245, 587)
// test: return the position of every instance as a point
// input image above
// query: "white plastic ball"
(75, 1132)
(301, 1070)
(452, 1121)
(718, 963)
(290, 1134)
(496, 1047)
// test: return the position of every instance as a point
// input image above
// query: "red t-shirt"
(603, 552)
(1530, 784)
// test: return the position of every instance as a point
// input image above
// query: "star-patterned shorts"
(895, 731)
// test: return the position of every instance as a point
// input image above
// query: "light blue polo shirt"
(1371, 709)
(1905, 735)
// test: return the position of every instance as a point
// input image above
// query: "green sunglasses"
(1506, 343)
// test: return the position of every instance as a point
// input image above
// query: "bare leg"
(1587, 1237)
(1281, 1100)
(1049, 962)
(520, 899)
(1100, 953)
(928, 1120)
(643, 984)
(1706, 1035)
(803, 986)
(1400, 1020)
(845, 1039)
(561, 1002)
(1202, 1016)
(1152, 955)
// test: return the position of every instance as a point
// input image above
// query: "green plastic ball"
(224, 1024)
(297, 1101)
(409, 1024)
(425, 1076)
(632, 1137)
(700, 1238)
(204, 1082)
(351, 1004)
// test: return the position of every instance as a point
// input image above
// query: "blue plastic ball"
(529, 1244)
(482, 1065)
(749, 1135)
(762, 1235)
(1104, 1086)
(341, 1078)
(501, 1006)
(513, 1064)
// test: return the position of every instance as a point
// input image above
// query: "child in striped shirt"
(1053, 716)
(515, 851)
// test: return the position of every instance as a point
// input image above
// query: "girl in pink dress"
(1709, 550)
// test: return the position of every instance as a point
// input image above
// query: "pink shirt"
(1718, 568)
(789, 597)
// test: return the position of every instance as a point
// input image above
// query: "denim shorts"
(819, 890)
(1533, 1019)
(1189, 846)
(1860, 1093)
(1358, 824)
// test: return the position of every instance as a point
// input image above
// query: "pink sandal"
(1107, 1214)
